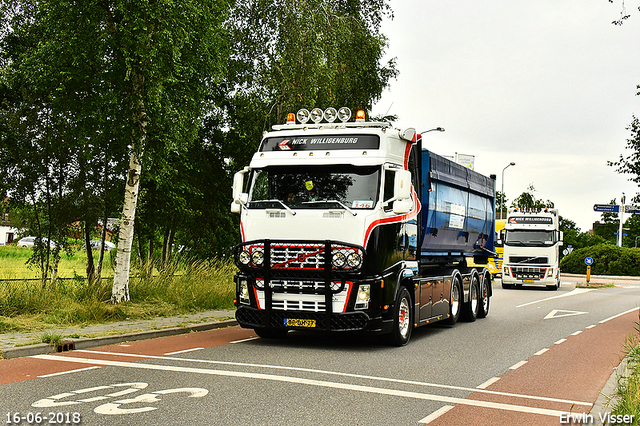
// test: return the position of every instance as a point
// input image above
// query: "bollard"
(588, 273)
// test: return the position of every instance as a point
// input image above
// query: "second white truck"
(532, 242)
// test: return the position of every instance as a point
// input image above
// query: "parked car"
(31, 241)
(95, 245)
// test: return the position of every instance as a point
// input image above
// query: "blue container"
(458, 210)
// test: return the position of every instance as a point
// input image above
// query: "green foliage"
(527, 200)
(627, 398)
(608, 259)
(198, 286)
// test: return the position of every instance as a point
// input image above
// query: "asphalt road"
(538, 355)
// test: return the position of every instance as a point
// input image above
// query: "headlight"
(363, 297)
(244, 257)
(257, 257)
(339, 260)
(354, 260)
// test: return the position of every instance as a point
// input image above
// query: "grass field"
(25, 305)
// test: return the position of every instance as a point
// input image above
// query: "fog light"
(243, 292)
(244, 257)
(257, 257)
(363, 297)
(339, 260)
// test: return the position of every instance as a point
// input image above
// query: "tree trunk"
(120, 289)
(91, 268)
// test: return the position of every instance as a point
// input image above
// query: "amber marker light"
(291, 118)
(360, 115)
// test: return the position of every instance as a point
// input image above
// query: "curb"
(92, 342)
(607, 394)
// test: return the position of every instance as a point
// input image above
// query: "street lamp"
(437, 129)
(504, 199)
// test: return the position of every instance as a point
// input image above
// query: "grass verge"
(627, 397)
(25, 306)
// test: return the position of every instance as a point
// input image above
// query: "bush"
(607, 260)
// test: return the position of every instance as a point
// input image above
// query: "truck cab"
(532, 241)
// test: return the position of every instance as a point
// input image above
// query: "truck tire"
(271, 333)
(471, 308)
(402, 320)
(455, 303)
(485, 299)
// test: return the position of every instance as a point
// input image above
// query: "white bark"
(120, 289)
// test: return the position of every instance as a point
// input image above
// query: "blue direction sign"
(609, 208)
(588, 261)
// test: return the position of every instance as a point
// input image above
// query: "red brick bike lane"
(566, 378)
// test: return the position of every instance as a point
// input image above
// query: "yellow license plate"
(528, 281)
(297, 322)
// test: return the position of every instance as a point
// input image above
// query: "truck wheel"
(402, 320)
(470, 309)
(271, 333)
(485, 299)
(455, 303)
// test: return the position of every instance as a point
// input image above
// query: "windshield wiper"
(276, 201)
(332, 201)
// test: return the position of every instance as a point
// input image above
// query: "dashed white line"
(591, 326)
(576, 333)
(560, 341)
(431, 417)
(310, 382)
(184, 351)
(488, 383)
(518, 365)
(541, 351)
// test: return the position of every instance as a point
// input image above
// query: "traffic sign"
(609, 208)
(588, 261)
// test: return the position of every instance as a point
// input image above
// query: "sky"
(547, 84)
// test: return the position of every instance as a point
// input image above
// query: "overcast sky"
(547, 84)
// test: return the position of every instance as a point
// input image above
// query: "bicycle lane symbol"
(115, 406)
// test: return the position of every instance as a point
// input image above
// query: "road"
(539, 355)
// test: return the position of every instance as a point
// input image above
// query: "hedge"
(607, 260)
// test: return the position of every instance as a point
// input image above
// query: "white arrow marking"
(559, 313)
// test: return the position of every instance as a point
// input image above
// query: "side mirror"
(561, 240)
(402, 185)
(401, 206)
(239, 198)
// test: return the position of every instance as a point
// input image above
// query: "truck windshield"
(529, 238)
(315, 187)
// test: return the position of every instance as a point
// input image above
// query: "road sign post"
(588, 261)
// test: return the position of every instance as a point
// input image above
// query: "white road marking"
(559, 313)
(541, 351)
(68, 372)
(337, 373)
(488, 383)
(310, 382)
(619, 315)
(560, 341)
(591, 326)
(518, 365)
(245, 340)
(183, 351)
(576, 333)
(431, 417)
(575, 292)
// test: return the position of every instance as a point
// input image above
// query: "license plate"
(528, 281)
(297, 322)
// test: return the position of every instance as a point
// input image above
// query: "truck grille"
(299, 256)
(524, 273)
(542, 260)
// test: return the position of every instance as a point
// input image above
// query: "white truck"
(532, 241)
(353, 226)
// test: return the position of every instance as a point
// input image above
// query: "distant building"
(8, 232)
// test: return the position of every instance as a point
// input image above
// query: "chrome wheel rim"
(455, 299)
(403, 317)
(485, 298)
(474, 296)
